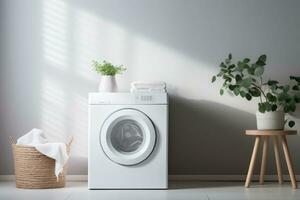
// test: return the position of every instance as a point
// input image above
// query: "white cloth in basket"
(57, 151)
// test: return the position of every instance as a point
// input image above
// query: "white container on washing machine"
(128, 141)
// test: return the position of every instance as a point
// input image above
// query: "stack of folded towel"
(148, 87)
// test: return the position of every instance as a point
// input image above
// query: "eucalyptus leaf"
(251, 70)
(236, 91)
(223, 65)
(268, 106)
(238, 78)
(254, 92)
(263, 58)
(295, 87)
(274, 107)
(246, 60)
(221, 91)
(231, 66)
(246, 82)
(262, 107)
(272, 82)
(260, 63)
(296, 78)
(286, 88)
(248, 96)
(259, 71)
(271, 97)
(243, 94)
(232, 87)
(213, 79)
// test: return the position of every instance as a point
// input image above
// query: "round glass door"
(127, 137)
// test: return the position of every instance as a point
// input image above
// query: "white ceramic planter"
(270, 120)
(108, 84)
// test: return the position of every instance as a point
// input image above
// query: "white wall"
(47, 48)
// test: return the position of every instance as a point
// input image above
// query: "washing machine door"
(127, 137)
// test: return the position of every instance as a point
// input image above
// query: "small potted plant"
(245, 79)
(108, 71)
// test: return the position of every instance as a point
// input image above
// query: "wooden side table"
(278, 136)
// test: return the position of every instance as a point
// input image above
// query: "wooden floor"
(177, 191)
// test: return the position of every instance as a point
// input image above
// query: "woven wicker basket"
(34, 170)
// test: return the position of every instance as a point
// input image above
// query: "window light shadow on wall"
(73, 37)
(64, 109)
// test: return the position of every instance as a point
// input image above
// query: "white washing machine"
(128, 141)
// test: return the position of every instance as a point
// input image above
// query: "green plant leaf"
(248, 96)
(273, 88)
(262, 58)
(223, 65)
(232, 87)
(227, 78)
(213, 79)
(274, 107)
(286, 88)
(246, 60)
(243, 94)
(271, 97)
(231, 66)
(260, 63)
(238, 78)
(262, 107)
(259, 71)
(286, 109)
(272, 82)
(296, 78)
(297, 97)
(291, 124)
(255, 92)
(268, 106)
(251, 70)
(220, 74)
(246, 82)
(221, 91)
(282, 96)
(295, 87)
(106, 68)
(236, 91)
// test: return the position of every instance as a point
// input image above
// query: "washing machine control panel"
(144, 98)
(127, 98)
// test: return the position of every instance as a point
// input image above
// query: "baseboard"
(219, 177)
(195, 177)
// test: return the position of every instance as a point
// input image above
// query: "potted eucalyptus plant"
(245, 79)
(108, 71)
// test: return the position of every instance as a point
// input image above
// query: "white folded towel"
(57, 151)
(148, 85)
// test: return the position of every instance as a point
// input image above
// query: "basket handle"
(70, 142)
(11, 140)
(68, 145)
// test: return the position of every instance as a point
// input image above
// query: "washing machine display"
(127, 137)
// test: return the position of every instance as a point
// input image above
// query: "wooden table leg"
(277, 158)
(264, 160)
(289, 161)
(252, 162)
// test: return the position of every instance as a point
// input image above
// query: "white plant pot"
(270, 120)
(108, 84)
